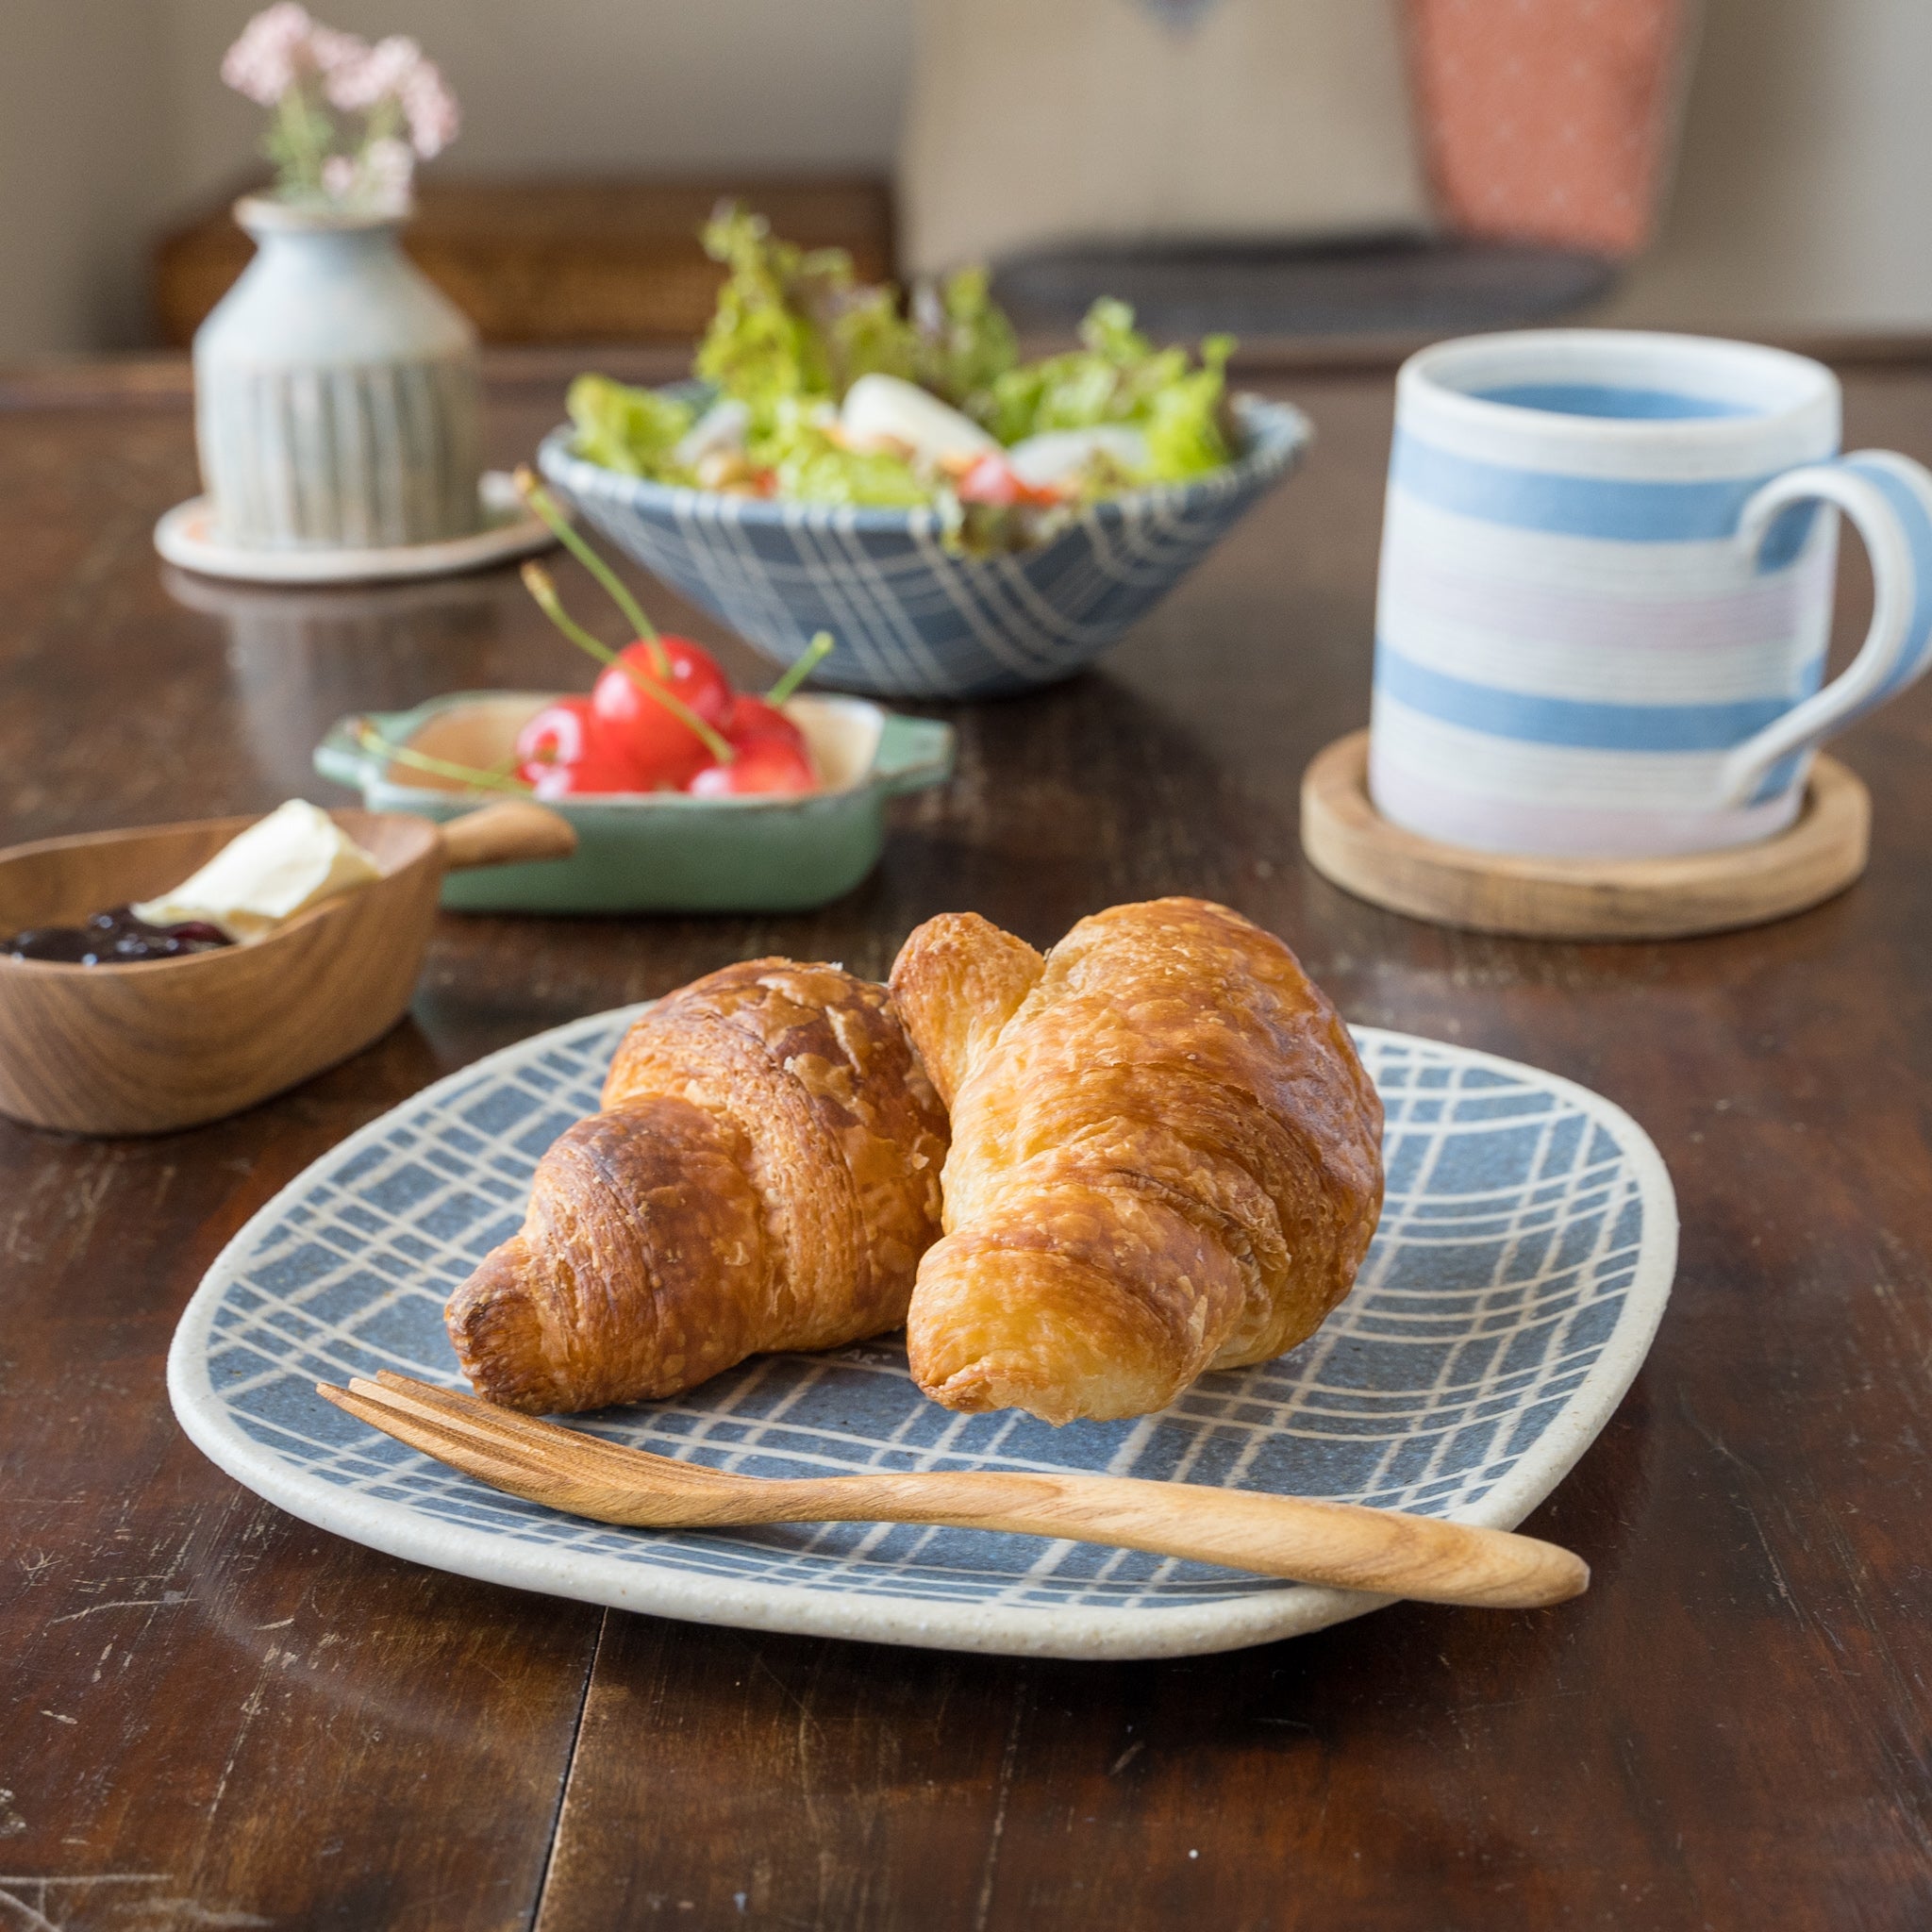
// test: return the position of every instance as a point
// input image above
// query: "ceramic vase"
(336, 390)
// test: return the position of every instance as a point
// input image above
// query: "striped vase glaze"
(1607, 567)
(336, 390)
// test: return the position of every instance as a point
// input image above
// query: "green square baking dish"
(662, 851)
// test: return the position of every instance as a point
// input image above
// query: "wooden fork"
(1339, 1544)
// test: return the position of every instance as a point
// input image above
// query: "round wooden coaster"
(1348, 840)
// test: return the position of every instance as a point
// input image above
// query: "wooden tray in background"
(561, 261)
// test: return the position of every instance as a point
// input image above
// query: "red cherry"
(664, 747)
(559, 734)
(599, 771)
(763, 764)
(753, 719)
(566, 749)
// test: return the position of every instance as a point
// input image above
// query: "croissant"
(765, 1174)
(1166, 1157)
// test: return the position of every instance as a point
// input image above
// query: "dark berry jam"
(113, 937)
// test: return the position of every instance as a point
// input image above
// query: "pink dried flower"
(377, 178)
(380, 74)
(283, 51)
(330, 50)
(266, 55)
(430, 109)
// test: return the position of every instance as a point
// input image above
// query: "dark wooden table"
(215, 1716)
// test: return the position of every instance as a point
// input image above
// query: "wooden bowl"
(156, 1044)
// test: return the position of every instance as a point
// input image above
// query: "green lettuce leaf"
(1117, 375)
(631, 430)
(965, 343)
(812, 468)
(793, 324)
(759, 347)
(865, 334)
(1183, 421)
(794, 328)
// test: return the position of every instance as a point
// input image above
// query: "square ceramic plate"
(1524, 1259)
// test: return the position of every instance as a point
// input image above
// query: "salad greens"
(1117, 375)
(634, 430)
(808, 465)
(795, 329)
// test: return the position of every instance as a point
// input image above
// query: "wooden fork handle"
(1339, 1544)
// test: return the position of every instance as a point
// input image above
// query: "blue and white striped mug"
(1606, 594)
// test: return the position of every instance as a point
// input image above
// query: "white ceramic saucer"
(187, 536)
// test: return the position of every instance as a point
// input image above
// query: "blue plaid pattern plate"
(1524, 1260)
(909, 617)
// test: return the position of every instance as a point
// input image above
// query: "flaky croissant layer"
(1166, 1157)
(765, 1174)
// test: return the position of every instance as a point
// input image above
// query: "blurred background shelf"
(1397, 285)
(616, 261)
(560, 261)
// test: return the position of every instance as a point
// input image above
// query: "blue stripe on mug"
(1602, 507)
(1580, 723)
(1909, 508)
(1613, 401)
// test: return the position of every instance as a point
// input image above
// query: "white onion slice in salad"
(720, 431)
(1058, 456)
(880, 412)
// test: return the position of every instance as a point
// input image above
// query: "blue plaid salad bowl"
(911, 618)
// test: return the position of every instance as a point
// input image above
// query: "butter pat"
(280, 866)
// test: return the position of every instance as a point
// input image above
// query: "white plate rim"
(517, 532)
(1096, 1634)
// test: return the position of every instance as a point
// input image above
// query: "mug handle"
(1888, 498)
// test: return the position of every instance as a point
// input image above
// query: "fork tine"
(532, 1435)
(506, 1423)
(493, 1432)
(559, 1469)
(529, 1438)
(461, 1412)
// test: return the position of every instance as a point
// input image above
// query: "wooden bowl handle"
(500, 834)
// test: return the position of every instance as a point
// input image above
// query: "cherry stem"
(561, 526)
(801, 668)
(370, 739)
(538, 581)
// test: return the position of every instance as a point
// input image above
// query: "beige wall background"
(1801, 200)
(81, 149)
(1803, 189)
(574, 86)
(114, 120)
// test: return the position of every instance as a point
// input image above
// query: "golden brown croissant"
(764, 1176)
(1166, 1157)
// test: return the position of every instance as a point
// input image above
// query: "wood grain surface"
(216, 1716)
